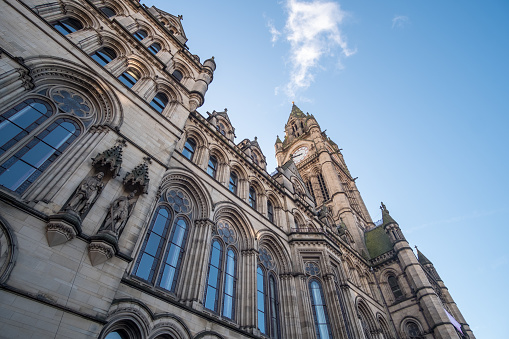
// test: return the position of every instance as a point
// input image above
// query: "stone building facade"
(125, 213)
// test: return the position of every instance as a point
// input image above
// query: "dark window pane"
(154, 48)
(108, 11)
(159, 102)
(104, 56)
(152, 244)
(15, 175)
(129, 78)
(212, 166)
(140, 35)
(177, 74)
(67, 25)
(233, 182)
(189, 147)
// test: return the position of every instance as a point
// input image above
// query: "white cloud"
(273, 32)
(400, 21)
(312, 29)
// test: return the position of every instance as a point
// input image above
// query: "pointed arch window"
(310, 189)
(267, 295)
(320, 315)
(67, 25)
(189, 148)
(413, 330)
(108, 11)
(252, 197)
(234, 181)
(154, 48)
(27, 164)
(159, 102)
(270, 211)
(178, 75)
(221, 280)
(129, 77)
(396, 290)
(323, 187)
(162, 251)
(104, 56)
(140, 34)
(212, 166)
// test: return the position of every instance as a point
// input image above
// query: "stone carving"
(110, 160)
(99, 251)
(118, 214)
(86, 194)
(71, 103)
(312, 269)
(138, 178)
(266, 259)
(62, 227)
(179, 201)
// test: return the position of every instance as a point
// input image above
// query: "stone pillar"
(195, 267)
(246, 294)
(289, 310)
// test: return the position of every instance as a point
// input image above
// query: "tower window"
(159, 102)
(140, 35)
(189, 148)
(129, 77)
(234, 180)
(154, 48)
(310, 189)
(252, 197)
(108, 11)
(104, 56)
(393, 284)
(270, 211)
(323, 188)
(178, 75)
(212, 166)
(67, 25)
(413, 330)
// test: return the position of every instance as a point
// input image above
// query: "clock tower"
(326, 176)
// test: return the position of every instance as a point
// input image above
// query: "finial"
(226, 110)
(416, 247)
(293, 102)
(383, 208)
(256, 138)
(181, 17)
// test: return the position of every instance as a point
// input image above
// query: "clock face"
(300, 154)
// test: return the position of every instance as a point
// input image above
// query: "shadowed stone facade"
(125, 213)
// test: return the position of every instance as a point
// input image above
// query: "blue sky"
(417, 95)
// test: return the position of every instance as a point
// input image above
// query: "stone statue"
(119, 213)
(86, 193)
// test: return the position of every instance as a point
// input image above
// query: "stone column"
(246, 294)
(289, 310)
(195, 267)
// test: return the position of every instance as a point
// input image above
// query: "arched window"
(22, 168)
(229, 285)
(67, 25)
(159, 102)
(413, 330)
(154, 48)
(140, 34)
(163, 248)
(108, 11)
(220, 127)
(119, 334)
(18, 122)
(310, 189)
(212, 166)
(178, 75)
(270, 211)
(189, 148)
(255, 158)
(104, 56)
(319, 307)
(234, 181)
(252, 197)
(267, 303)
(129, 77)
(393, 284)
(222, 273)
(214, 277)
(323, 188)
